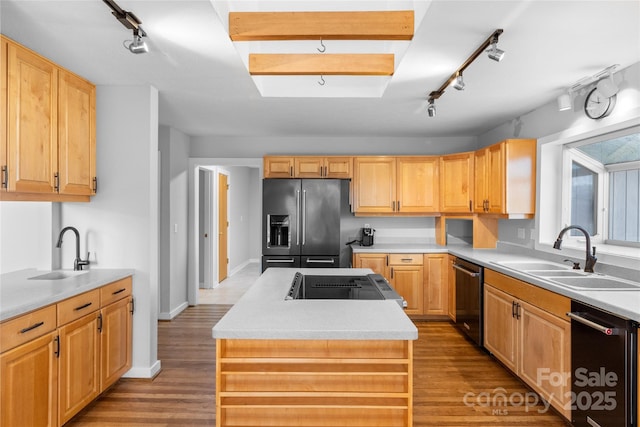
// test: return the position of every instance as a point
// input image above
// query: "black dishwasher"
(603, 366)
(469, 288)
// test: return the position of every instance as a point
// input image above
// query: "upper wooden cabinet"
(48, 143)
(456, 183)
(397, 185)
(308, 167)
(505, 181)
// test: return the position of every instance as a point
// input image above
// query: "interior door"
(223, 227)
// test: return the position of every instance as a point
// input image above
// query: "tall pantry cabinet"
(48, 137)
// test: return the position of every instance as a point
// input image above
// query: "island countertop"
(20, 294)
(263, 313)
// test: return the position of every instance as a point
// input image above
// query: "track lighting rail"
(491, 40)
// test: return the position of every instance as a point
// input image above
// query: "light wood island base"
(313, 383)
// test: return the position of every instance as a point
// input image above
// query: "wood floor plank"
(446, 369)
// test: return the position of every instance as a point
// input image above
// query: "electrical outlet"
(521, 233)
(533, 234)
(367, 226)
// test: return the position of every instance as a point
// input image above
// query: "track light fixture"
(431, 109)
(131, 22)
(495, 53)
(605, 83)
(456, 80)
(458, 83)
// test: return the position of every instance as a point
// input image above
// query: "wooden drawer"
(115, 291)
(551, 302)
(405, 259)
(27, 327)
(78, 306)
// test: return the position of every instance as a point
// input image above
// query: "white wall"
(243, 147)
(26, 236)
(174, 149)
(547, 124)
(120, 225)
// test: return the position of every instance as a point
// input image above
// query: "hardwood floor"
(447, 368)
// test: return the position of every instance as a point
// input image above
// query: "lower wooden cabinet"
(421, 279)
(451, 283)
(525, 328)
(28, 389)
(79, 380)
(378, 263)
(436, 293)
(54, 375)
(115, 342)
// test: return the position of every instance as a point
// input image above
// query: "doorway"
(223, 226)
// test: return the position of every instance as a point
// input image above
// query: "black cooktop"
(367, 287)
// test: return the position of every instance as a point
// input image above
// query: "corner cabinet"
(505, 181)
(56, 360)
(525, 327)
(48, 143)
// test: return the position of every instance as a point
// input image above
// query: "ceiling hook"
(322, 82)
(323, 47)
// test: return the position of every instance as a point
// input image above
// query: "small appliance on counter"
(367, 236)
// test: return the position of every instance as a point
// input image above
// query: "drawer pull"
(83, 306)
(31, 328)
(406, 259)
(119, 291)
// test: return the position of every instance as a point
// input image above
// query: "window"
(601, 190)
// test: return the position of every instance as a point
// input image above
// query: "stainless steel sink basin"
(557, 273)
(596, 283)
(57, 275)
(532, 265)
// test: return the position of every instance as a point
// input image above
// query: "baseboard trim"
(147, 373)
(173, 313)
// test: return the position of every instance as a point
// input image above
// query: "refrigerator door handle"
(304, 217)
(268, 230)
(297, 217)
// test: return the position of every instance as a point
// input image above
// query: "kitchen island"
(313, 362)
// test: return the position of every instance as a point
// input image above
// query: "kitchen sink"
(532, 265)
(596, 283)
(57, 275)
(557, 273)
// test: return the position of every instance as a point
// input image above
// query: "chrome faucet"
(591, 258)
(78, 263)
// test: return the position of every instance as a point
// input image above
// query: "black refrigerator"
(301, 223)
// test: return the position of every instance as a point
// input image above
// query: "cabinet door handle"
(132, 306)
(470, 207)
(518, 306)
(5, 176)
(56, 342)
(513, 309)
(290, 170)
(95, 184)
(83, 306)
(398, 205)
(100, 322)
(393, 206)
(392, 272)
(56, 182)
(31, 328)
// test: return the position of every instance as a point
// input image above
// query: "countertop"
(263, 313)
(19, 294)
(624, 303)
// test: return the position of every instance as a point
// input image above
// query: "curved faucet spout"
(78, 263)
(590, 262)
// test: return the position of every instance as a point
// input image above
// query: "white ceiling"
(205, 88)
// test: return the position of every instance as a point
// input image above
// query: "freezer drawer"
(320, 261)
(280, 261)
